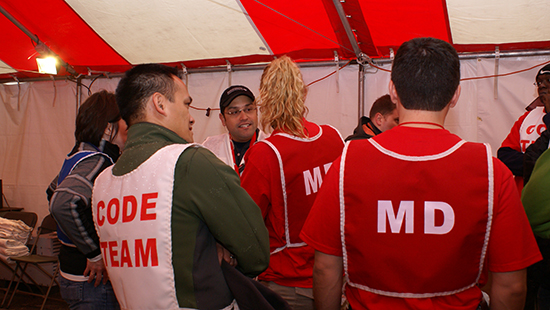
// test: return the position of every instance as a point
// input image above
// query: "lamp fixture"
(40, 47)
(47, 65)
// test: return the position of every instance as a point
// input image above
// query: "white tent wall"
(35, 136)
(325, 104)
(37, 133)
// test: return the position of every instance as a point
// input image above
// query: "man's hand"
(97, 271)
(327, 281)
(224, 254)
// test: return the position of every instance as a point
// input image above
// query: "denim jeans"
(84, 296)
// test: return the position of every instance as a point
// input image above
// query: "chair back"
(29, 218)
(47, 226)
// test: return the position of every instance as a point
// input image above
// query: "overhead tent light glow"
(44, 65)
(47, 62)
(47, 65)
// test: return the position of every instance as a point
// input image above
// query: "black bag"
(251, 294)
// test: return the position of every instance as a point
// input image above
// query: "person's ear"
(393, 92)
(456, 95)
(159, 103)
(378, 119)
(222, 119)
(393, 95)
(108, 131)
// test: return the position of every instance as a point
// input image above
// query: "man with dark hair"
(169, 211)
(440, 217)
(526, 130)
(143, 81)
(383, 116)
(239, 114)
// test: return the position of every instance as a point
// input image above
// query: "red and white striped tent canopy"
(111, 36)
(96, 38)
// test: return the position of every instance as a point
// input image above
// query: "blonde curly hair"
(282, 97)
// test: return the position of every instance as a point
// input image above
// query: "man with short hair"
(166, 207)
(239, 114)
(527, 129)
(442, 213)
(383, 116)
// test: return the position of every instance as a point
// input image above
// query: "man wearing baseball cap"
(239, 114)
(527, 128)
(527, 140)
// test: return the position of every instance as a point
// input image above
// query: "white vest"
(531, 128)
(132, 215)
(221, 147)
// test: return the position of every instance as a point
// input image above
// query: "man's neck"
(422, 119)
(239, 141)
(239, 148)
(238, 144)
(256, 133)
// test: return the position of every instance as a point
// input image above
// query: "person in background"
(382, 116)
(441, 214)
(239, 114)
(283, 174)
(536, 197)
(527, 129)
(100, 136)
(533, 151)
(536, 201)
(181, 211)
(527, 140)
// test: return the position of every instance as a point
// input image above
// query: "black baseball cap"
(543, 70)
(233, 92)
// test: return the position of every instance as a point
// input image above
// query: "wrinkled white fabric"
(14, 229)
(10, 247)
(13, 237)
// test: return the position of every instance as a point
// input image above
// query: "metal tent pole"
(361, 95)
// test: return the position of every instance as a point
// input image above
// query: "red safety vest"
(303, 163)
(424, 231)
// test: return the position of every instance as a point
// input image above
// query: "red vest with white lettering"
(424, 231)
(132, 215)
(531, 128)
(302, 164)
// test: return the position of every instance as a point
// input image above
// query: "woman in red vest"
(283, 174)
